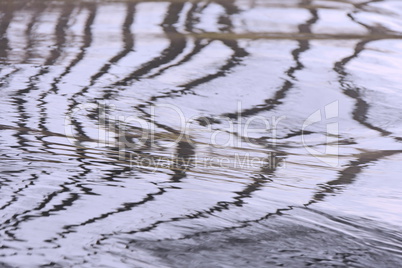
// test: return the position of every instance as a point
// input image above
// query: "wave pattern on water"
(91, 190)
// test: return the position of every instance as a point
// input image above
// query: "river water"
(223, 133)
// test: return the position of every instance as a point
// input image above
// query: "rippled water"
(254, 133)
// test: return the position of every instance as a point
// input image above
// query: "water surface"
(170, 133)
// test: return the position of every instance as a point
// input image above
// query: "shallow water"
(200, 133)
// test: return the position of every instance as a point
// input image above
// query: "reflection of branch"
(349, 174)
(371, 29)
(8, 8)
(361, 109)
(19, 98)
(176, 46)
(4, 24)
(272, 103)
(349, 89)
(87, 40)
(238, 54)
(169, 54)
(53, 56)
